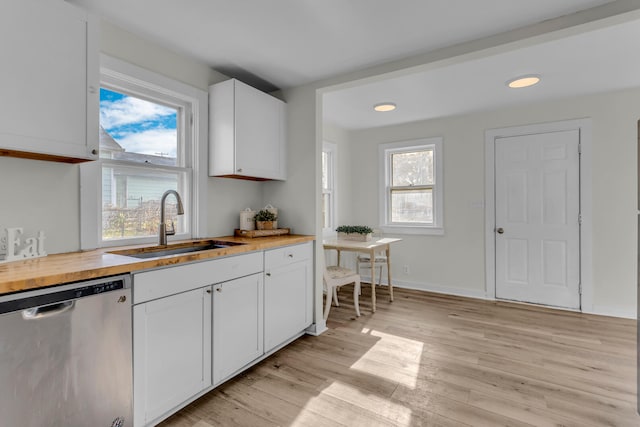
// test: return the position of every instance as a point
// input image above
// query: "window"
(329, 151)
(150, 133)
(141, 154)
(411, 187)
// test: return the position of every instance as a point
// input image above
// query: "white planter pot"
(355, 236)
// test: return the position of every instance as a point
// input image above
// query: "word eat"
(32, 247)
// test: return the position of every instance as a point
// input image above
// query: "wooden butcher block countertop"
(56, 269)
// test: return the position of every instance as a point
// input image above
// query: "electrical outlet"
(405, 269)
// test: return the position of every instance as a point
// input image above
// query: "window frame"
(331, 148)
(385, 152)
(124, 77)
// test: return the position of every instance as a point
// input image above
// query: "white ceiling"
(286, 43)
(597, 61)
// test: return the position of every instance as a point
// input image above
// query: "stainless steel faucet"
(163, 227)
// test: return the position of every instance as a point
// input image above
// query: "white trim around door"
(584, 128)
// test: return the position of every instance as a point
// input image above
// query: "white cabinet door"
(237, 325)
(171, 352)
(259, 133)
(49, 80)
(288, 297)
(247, 132)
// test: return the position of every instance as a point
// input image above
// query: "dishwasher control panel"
(56, 294)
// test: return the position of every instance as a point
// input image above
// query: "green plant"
(265, 215)
(354, 229)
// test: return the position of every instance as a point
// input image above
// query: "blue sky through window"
(139, 126)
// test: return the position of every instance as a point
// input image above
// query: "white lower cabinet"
(197, 325)
(171, 352)
(288, 293)
(237, 325)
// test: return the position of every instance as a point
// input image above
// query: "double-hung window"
(411, 187)
(148, 145)
(329, 154)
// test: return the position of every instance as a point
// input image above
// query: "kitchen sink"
(176, 249)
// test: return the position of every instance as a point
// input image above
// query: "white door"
(537, 218)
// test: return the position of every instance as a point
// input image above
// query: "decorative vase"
(355, 236)
(267, 225)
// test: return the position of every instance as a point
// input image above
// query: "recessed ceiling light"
(385, 106)
(523, 81)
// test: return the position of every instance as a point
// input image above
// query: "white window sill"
(412, 229)
(149, 240)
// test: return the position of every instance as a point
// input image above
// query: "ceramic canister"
(246, 219)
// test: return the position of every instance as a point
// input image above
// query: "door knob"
(500, 230)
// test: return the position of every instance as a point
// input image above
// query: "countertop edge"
(70, 267)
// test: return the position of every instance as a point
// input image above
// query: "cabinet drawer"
(159, 283)
(275, 258)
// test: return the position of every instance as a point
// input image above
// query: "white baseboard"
(431, 287)
(612, 312)
(481, 294)
(317, 328)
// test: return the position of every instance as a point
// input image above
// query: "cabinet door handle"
(269, 274)
(290, 255)
(218, 289)
(208, 291)
(240, 170)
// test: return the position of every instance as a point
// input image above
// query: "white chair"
(334, 277)
(364, 261)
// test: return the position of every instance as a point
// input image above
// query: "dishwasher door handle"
(45, 311)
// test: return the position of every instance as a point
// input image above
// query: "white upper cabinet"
(49, 81)
(246, 132)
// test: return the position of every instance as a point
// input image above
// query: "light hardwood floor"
(436, 360)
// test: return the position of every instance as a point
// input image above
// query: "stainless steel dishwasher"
(65, 355)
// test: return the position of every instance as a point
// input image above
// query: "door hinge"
(579, 147)
(579, 219)
(191, 119)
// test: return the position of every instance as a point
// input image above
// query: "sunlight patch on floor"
(337, 401)
(394, 358)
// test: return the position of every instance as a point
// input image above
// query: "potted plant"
(266, 220)
(355, 232)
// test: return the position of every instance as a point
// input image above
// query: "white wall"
(305, 133)
(40, 195)
(226, 198)
(455, 262)
(340, 137)
(119, 43)
(296, 197)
